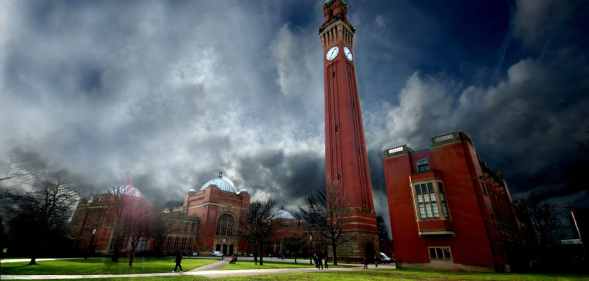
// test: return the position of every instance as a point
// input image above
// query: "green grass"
(267, 265)
(101, 266)
(377, 275)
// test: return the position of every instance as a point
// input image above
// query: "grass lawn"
(101, 265)
(376, 275)
(267, 265)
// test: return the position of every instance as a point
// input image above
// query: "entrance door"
(231, 250)
(224, 249)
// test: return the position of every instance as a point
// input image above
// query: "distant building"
(180, 232)
(447, 208)
(285, 226)
(208, 220)
(93, 223)
(220, 207)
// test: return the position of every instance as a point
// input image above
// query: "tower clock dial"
(332, 53)
(348, 53)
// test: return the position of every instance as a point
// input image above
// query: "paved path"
(41, 259)
(212, 266)
(204, 273)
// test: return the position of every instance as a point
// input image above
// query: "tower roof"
(221, 182)
(327, 2)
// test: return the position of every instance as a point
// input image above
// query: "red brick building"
(285, 226)
(94, 221)
(220, 208)
(208, 220)
(180, 232)
(448, 209)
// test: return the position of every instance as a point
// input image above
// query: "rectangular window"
(426, 200)
(430, 200)
(440, 253)
(422, 165)
(443, 204)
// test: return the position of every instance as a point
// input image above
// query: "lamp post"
(92, 241)
(312, 248)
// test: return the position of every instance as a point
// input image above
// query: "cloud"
(521, 124)
(162, 91)
(173, 92)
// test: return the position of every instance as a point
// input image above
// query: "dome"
(222, 183)
(283, 214)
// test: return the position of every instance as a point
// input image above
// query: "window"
(443, 204)
(422, 165)
(430, 200)
(225, 225)
(427, 205)
(485, 190)
(440, 253)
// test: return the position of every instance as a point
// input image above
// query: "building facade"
(447, 208)
(346, 161)
(101, 221)
(207, 220)
(220, 208)
(180, 232)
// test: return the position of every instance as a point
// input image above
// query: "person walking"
(376, 261)
(178, 261)
(365, 263)
(325, 263)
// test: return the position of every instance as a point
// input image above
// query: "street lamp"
(92, 241)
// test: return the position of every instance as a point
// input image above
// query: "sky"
(171, 92)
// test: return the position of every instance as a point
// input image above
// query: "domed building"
(220, 206)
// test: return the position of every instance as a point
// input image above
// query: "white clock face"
(332, 53)
(348, 53)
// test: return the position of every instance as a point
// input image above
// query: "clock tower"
(346, 161)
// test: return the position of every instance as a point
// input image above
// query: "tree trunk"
(33, 261)
(131, 257)
(334, 251)
(261, 254)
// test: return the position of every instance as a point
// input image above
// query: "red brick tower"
(346, 160)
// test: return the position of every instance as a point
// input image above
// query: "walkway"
(212, 266)
(204, 273)
(41, 259)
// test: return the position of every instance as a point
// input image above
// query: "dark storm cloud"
(173, 92)
(528, 123)
(166, 92)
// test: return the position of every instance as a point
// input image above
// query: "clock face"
(332, 53)
(348, 53)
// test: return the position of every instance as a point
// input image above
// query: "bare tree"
(258, 225)
(137, 220)
(117, 195)
(323, 215)
(294, 246)
(42, 214)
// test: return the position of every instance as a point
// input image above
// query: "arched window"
(225, 225)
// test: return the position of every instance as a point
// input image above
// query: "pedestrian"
(178, 261)
(376, 261)
(256, 257)
(325, 263)
(316, 261)
(365, 262)
(320, 260)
